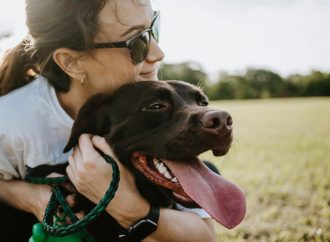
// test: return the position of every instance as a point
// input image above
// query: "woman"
(69, 47)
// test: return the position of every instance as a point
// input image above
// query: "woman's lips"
(149, 74)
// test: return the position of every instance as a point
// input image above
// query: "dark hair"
(52, 24)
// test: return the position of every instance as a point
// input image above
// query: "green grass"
(281, 159)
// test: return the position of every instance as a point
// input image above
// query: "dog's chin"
(155, 170)
(223, 146)
(221, 150)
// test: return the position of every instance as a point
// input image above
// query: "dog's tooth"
(167, 175)
(158, 166)
(174, 179)
(162, 169)
(155, 161)
(162, 165)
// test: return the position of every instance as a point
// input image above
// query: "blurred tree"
(254, 83)
(315, 84)
(265, 83)
(191, 72)
(226, 87)
(295, 83)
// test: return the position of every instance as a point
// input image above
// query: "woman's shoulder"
(37, 86)
(23, 92)
(24, 104)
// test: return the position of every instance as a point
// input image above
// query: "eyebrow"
(137, 27)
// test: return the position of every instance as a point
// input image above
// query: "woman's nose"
(155, 52)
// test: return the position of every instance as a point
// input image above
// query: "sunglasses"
(137, 44)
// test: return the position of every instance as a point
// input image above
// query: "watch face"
(142, 229)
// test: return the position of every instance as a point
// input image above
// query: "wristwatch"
(142, 228)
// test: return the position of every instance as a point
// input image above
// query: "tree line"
(254, 83)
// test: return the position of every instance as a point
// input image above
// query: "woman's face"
(109, 68)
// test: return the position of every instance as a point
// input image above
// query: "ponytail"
(17, 68)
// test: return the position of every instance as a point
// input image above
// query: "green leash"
(53, 226)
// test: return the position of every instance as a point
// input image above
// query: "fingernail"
(96, 138)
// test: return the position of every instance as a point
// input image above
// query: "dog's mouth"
(193, 183)
(156, 170)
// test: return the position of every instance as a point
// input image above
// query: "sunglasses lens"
(140, 47)
(155, 27)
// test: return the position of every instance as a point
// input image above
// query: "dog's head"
(157, 130)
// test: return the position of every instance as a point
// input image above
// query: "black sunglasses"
(137, 44)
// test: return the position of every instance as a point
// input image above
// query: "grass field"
(281, 159)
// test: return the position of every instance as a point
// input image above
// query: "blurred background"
(267, 62)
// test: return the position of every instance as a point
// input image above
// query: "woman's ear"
(69, 61)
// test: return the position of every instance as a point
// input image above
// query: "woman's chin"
(149, 76)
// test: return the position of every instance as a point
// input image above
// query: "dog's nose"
(217, 120)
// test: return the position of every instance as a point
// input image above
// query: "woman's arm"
(24, 196)
(178, 226)
(128, 205)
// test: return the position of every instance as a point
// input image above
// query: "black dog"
(157, 129)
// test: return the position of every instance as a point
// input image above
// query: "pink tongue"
(223, 200)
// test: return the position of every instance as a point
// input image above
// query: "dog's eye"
(203, 103)
(155, 106)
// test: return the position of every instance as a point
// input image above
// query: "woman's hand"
(92, 175)
(31, 198)
(42, 194)
(71, 199)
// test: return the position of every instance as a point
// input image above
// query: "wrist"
(127, 213)
(25, 196)
(142, 228)
(39, 201)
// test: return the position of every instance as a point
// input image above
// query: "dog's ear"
(93, 118)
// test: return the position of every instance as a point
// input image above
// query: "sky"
(285, 36)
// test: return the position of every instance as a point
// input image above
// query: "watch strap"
(142, 228)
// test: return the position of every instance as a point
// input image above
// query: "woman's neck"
(74, 99)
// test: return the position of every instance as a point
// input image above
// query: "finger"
(72, 164)
(54, 174)
(75, 158)
(85, 143)
(71, 200)
(67, 221)
(69, 187)
(102, 144)
(80, 215)
(76, 152)
(70, 173)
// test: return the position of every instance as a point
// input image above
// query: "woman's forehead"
(120, 15)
